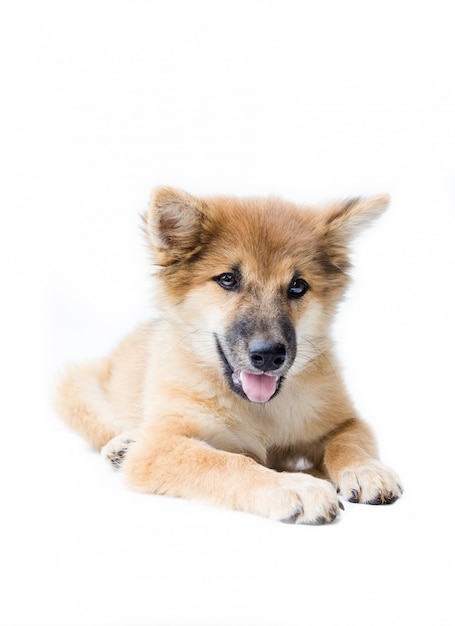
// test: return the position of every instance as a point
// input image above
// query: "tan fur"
(162, 405)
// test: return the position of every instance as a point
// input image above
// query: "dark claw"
(355, 496)
(387, 498)
(318, 521)
(293, 518)
(391, 500)
(340, 504)
(289, 520)
(377, 500)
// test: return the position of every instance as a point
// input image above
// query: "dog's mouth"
(256, 387)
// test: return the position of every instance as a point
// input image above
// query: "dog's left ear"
(345, 220)
(174, 224)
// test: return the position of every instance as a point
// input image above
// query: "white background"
(100, 102)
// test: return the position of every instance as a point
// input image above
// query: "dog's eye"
(227, 281)
(298, 288)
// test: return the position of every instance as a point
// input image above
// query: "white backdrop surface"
(310, 100)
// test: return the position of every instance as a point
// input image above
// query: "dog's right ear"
(173, 225)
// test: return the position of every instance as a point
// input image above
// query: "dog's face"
(254, 283)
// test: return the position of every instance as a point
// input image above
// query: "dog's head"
(253, 283)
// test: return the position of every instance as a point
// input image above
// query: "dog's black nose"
(267, 356)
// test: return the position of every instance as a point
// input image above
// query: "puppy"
(235, 383)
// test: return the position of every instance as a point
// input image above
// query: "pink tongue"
(258, 387)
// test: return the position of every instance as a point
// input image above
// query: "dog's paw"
(370, 483)
(299, 499)
(114, 451)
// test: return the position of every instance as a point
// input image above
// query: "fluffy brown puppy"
(236, 380)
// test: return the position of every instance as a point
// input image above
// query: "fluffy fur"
(221, 397)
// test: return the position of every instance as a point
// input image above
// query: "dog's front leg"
(175, 462)
(352, 463)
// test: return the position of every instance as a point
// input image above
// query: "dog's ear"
(344, 220)
(173, 224)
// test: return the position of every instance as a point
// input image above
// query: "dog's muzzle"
(259, 377)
